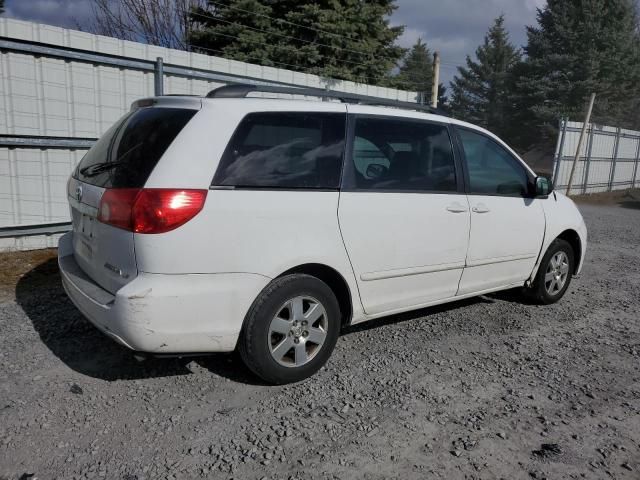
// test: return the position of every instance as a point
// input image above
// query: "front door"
(403, 216)
(507, 224)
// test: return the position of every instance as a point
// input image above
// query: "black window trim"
(467, 185)
(348, 166)
(213, 186)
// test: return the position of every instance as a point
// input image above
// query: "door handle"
(480, 208)
(456, 208)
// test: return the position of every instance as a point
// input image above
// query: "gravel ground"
(486, 388)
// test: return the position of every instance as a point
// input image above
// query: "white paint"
(170, 313)
(406, 248)
(396, 251)
(504, 242)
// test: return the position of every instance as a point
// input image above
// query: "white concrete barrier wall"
(608, 159)
(44, 96)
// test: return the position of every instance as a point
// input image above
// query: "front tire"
(555, 273)
(291, 329)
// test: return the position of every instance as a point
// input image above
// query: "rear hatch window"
(127, 153)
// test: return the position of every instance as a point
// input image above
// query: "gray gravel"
(486, 388)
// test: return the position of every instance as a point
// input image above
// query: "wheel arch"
(573, 238)
(334, 280)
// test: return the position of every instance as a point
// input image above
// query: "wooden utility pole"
(580, 141)
(436, 80)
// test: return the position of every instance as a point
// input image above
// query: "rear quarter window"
(284, 150)
(127, 153)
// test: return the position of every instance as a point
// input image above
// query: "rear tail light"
(115, 207)
(160, 210)
(150, 210)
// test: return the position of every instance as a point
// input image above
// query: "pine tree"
(416, 74)
(345, 39)
(416, 71)
(480, 91)
(1, 6)
(579, 47)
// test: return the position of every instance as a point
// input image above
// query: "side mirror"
(544, 187)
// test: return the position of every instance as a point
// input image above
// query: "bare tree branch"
(157, 22)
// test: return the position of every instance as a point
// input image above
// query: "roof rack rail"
(242, 90)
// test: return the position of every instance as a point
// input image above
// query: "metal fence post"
(615, 158)
(635, 166)
(158, 77)
(588, 159)
(563, 126)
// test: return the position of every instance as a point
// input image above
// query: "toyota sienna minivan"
(268, 224)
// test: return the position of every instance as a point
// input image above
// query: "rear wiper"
(98, 168)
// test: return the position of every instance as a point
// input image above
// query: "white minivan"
(268, 224)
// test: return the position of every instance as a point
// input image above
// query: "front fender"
(561, 214)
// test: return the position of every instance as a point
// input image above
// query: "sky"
(453, 27)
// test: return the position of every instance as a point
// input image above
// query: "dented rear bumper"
(160, 314)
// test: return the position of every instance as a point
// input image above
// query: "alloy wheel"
(297, 331)
(557, 272)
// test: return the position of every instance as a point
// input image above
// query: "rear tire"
(291, 329)
(555, 272)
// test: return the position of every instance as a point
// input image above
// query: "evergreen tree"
(580, 47)
(346, 39)
(416, 74)
(1, 6)
(481, 90)
(416, 70)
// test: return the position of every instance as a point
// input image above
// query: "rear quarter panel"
(250, 231)
(265, 232)
(259, 232)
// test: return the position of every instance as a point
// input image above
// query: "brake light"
(150, 210)
(162, 210)
(115, 207)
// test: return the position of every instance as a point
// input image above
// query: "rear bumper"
(164, 313)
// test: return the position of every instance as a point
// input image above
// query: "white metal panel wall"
(43, 96)
(598, 156)
(63, 92)
(33, 190)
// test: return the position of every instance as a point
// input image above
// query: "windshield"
(127, 153)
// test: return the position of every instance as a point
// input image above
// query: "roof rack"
(242, 90)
